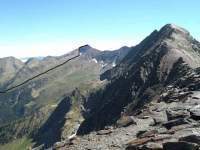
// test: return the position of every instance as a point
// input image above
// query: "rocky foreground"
(171, 121)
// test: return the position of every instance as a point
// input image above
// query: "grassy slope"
(19, 144)
(60, 82)
(25, 126)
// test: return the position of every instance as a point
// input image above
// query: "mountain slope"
(9, 66)
(152, 100)
(170, 120)
(149, 102)
(142, 74)
(23, 106)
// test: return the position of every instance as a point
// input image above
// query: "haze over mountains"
(148, 97)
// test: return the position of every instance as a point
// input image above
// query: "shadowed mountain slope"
(143, 73)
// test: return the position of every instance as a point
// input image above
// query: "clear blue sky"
(48, 27)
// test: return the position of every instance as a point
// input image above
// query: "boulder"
(139, 143)
(176, 113)
(191, 138)
(125, 121)
(152, 146)
(180, 146)
(104, 132)
(195, 113)
(176, 122)
(134, 144)
(59, 145)
(142, 134)
(159, 117)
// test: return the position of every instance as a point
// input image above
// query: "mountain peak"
(85, 48)
(88, 50)
(172, 28)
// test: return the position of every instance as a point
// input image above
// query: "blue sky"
(53, 27)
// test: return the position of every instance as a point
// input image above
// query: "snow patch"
(95, 60)
(24, 59)
(103, 65)
(113, 64)
(72, 136)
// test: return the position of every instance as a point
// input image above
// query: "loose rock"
(180, 146)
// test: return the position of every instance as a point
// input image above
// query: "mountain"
(143, 97)
(64, 121)
(9, 66)
(146, 66)
(22, 109)
(151, 100)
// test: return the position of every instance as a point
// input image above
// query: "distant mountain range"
(25, 59)
(142, 97)
(42, 95)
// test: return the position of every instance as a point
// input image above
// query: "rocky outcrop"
(63, 122)
(176, 133)
(50, 132)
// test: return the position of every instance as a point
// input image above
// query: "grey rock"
(180, 146)
(195, 113)
(191, 138)
(125, 121)
(160, 117)
(104, 132)
(175, 122)
(174, 114)
(152, 146)
(143, 134)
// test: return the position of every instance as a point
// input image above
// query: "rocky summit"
(146, 97)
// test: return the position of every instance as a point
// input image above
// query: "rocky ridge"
(171, 121)
(152, 99)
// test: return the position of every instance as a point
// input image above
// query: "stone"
(191, 138)
(144, 117)
(59, 145)
(174, 114)
(133, 145)
(104, 132)
(195, 112)
(142, 134)
(159, 116)
(136, 143)
(178, 128)
(180, 146)
(175, 122)
(125, 121)
(181, 96)
(152, 146)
